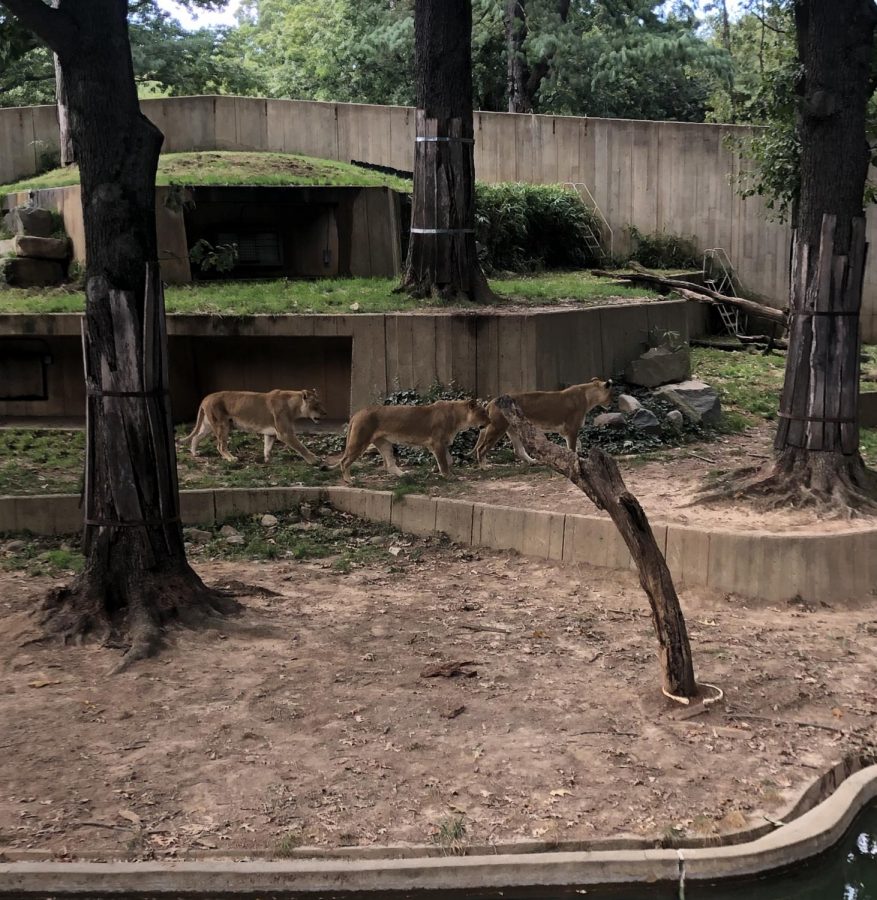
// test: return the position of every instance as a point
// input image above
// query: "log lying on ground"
(597, 476)
(690, 291)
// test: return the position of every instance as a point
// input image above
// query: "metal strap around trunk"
(423, 139)
(442, 231)
(842, 421)
(114, 523)
(97, 392)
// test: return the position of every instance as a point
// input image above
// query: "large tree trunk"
(517, 74)
(598, 477)
(817, 443)
(442, 259)
(65, 138)
(136, 576)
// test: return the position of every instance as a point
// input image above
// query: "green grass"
(334, 295)
(218, 167)
(41, 556)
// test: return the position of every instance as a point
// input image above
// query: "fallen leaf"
(837, 712)
(560, 792)
(43, 681)
(449, 669)
(130, 815)
(452, 712)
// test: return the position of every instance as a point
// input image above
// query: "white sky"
(204, 19)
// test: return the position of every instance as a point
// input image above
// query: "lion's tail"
(198, 423)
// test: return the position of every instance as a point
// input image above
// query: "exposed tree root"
(446, 294)
(132, 610)
(832, 484)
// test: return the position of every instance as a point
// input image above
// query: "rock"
(378, 540)
(19, 271)
(14, 546)
(235, 539)
(306, 511)
(40, 247)
(29, 221)
(628, 404)
(7, 248)
(228, 531)
(675, 418)
(610, 420)
(197, 535)
(660, 365)
(696, 399)
(645, 420)
(325, 511)
(268, 520)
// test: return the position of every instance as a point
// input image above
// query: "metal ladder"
(595, 241)
(719, 275)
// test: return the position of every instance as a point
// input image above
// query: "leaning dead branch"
(597, 476)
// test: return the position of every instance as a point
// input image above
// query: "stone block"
(628, 404)
(610, 420)
(675, 418)
(48, 514)
(196, 507)
(500, 528)
(594, 541)
(454, 518)
(543, 534)
(868, 409)
(414, 514)
(19, 271)
(660, 365)
(696, 399)
(41, 247)
(688, 555)
(28, 221)
(646, 421)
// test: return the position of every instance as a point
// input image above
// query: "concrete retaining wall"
(485, 352)
(762, 565)
(669, 176)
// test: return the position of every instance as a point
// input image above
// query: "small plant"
(290, 842)
(660, 250)
(450, 835)
(48, 156)
(221, 258)
(658, 337)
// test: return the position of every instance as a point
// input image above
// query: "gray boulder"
(675, 418)
(628, 404)
(27, 220)
(268, 521)
(610, 420)
(41, 247)
(646, 421)
(22, 272)
(228, 531)
(197, 535)
(660, 365)
(697, 401)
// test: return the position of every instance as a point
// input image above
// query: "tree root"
(831, 484)
(132, 610)
(447, 294)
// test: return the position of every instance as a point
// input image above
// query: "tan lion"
(433, 426)
(271, 414)
(558, 411)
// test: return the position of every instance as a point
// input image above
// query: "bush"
(525, 227)
(660, 250)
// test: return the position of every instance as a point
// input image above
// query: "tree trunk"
(817, 443)
(442, 259)
(65, 138)
(597, 476)
(517, 75)
(136, 576)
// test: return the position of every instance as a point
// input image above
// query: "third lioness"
(272, 414)
(558, 411)
(433, 426)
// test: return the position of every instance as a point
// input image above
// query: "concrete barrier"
(766, 566)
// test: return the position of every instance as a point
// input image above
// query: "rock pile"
(32, 257)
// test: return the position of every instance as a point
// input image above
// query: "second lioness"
(433, 426)
(271, 414)
(559, 411)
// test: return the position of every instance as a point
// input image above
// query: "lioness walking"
(271, 414)
(557, 411)
(433, 426)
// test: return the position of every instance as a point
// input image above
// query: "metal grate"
(260, 249)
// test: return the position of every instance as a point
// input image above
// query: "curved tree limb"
(597, 476)
(51, 25)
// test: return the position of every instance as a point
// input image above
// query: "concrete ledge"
(812, 833)
(768, 566)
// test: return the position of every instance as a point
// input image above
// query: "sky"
(204, 19)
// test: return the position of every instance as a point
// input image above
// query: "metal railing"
(588, 199)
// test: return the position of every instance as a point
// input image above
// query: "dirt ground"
(666, 485)
(308, 720)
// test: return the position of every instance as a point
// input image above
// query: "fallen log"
(598, 477)
(700, 294)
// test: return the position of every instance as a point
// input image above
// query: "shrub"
(660, 250)
(524, 227)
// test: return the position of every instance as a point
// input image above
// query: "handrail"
(576, 185)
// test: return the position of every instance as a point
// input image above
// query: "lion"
(433, 426)
(557, 411)
(271, 414)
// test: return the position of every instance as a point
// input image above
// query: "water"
(847, 872)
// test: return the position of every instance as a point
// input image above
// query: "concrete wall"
(655, 175)
(355, 360)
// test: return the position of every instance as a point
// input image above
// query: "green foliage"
(221, 258)
(660, 250)
(522, 227)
